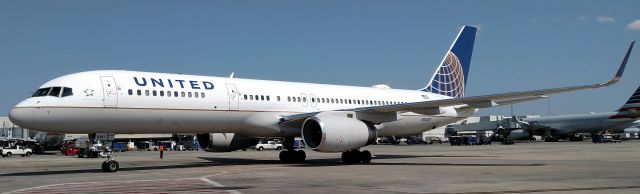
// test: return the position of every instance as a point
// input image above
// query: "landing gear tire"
(110, 166)
(292, 156)
(366, 157)
(356, 157)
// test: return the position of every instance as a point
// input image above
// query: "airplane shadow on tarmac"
(216, 161)
(338, 162)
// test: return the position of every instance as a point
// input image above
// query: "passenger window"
(278, 97)
(268, 98)
(41, 92)
(250, 97)
(182, 94)
(262, 97)
(289, 98)
(195, 94)
(55, 91)
(245, 97)
(190, 95)
(202, 94)
(333, 101)
(161, 93)
(155, 93)
(304, 99)
(146, 92)
(67, 92)
(139, 93)
(257, 97)
(294, 99)
(130, 92)
(313, 100)
(168, 93)
(299, 99)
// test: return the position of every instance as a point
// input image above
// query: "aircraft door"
(234, 97)
(110, 92)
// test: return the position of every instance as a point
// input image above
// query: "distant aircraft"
(631, 128)
(553, 128)
(231, 113)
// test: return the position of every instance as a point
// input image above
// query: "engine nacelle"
(331, 133)
(225, 142)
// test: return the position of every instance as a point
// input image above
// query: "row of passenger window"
(168, 93)
(53, 91)
(342, 101)
(321, 100)
(258, 97)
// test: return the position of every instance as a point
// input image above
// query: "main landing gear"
(290, 155)
(356, 157)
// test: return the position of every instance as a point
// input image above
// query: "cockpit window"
(55, 91)
(41, 92)
(67, 92)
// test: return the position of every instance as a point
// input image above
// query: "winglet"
(618, 75)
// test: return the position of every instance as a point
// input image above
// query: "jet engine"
(332, 133)
(225, 142)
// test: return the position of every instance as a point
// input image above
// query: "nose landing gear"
(110, 165)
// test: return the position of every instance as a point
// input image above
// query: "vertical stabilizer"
(633, 103)
(450, 78)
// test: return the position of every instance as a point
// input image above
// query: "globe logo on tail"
(449, 79)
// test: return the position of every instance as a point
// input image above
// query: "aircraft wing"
(433, 106)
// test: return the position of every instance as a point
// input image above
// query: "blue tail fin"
(450, 78)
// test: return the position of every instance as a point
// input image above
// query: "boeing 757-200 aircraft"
(230, 113)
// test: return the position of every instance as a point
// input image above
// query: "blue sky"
(521, 45)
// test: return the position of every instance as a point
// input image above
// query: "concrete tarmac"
(529, 167)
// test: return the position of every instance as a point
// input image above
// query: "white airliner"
(229, 113)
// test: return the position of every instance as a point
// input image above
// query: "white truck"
(18, 150)
(268, 145)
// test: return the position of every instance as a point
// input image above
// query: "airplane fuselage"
(581, 123)
(144, 102)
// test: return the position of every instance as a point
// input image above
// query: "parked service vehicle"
(89, 149)
(604, 139)
(146, 145)
(456, 140)
(18, 150)
(119, 147)
(70, 149)
(268, 145)
(191, 145)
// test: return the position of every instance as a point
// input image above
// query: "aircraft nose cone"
(21, 116)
